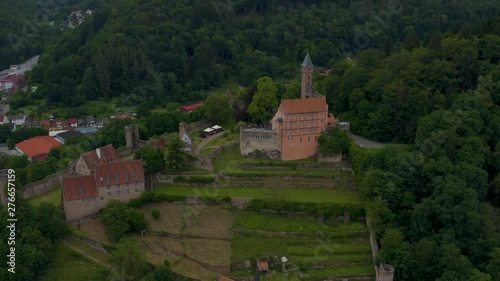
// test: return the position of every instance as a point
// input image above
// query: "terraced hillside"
(316, 248)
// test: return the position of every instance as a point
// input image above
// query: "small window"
(137, 190)
(135, 175)
(108, 179)
(109, 186)
(81, 191)
(308, 139)
(102, 198)
(127, 191)
(136, 183)
(117, 186)
(118, 191)
(127, 185)
(117, 177)
(301, 139)
(126, 177)
(109, 193)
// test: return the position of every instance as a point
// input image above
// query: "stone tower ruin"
(385, 272)
(132, 138)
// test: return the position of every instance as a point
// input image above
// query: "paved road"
(364, 142)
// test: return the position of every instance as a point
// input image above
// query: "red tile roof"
(107, 154)
(306, 105)
(262, 265)
(72, 120)
(191, 107)
(80, 187)
(38, 145)
(130, 171)
(11, 78)
(2, 117)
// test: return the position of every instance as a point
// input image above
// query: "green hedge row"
(328, 209)
(148, 197)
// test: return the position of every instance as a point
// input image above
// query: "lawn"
(53, 197)
(300, 223)
(295, 195)
(224, 138)
(297, 250)
(70, 265)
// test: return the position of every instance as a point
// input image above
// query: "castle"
(296, 126)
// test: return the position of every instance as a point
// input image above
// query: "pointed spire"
(307, 61)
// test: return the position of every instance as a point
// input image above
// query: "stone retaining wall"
(44, 186)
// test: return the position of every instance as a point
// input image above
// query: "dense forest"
(162, 51)
(434, 204)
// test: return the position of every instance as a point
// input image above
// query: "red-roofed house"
(111, 180)
(80, 196)
(73, 122)
(3, 119)
(87, 162)
(38, 147)
(191, 107)
(11, 82)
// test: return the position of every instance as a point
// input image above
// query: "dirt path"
(86, 255)
(364, 142)
(199, 147)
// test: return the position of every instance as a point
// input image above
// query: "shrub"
(155, 213)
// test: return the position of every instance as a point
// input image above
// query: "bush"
(155, 213)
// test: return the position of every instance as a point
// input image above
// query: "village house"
(31, 124)
(190, 108)
(87, 161)
(3, 119)
(18, 120)
(37, 148)
(11, 82)
(101, 176)
(127, 115)
(296, 126)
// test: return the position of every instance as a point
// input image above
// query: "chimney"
(98, 152)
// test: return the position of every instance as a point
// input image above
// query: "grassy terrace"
(303, 223)
(70, 265)
(296, 194)
(342, 255)
(54, 197)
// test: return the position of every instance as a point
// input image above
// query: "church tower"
(307, 71)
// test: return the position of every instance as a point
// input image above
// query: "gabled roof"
(130, 171)
(307, 105)
(262, 265)
(72, 120)
(307, 61)
(11, 78)
(38, 145)
(19, 117)
(191, 107)
(79, 187)
(106, 154)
